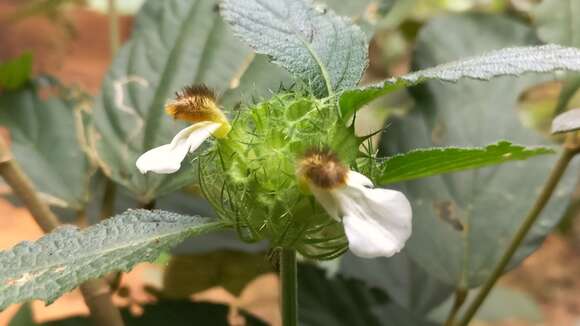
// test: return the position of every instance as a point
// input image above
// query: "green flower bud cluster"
(250, 176)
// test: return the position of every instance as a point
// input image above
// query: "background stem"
(96, 293)
(108, 205)
(288, 278)
(114, 36)
(541, 201)
(460, 296)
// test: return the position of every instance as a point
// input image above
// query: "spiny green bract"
(250, 177)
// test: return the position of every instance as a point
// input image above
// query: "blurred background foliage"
(80, 152)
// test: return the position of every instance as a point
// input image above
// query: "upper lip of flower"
(195, 104)
(167, 158)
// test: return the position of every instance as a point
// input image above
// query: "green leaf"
(421, 163)
(260, 80)
(231, 270)
(175, 43)
(23, 317)
(463, 222)
(15, 72)
(171, 312)
(322, 49)
(353, 302)
(43, 119)
(558, 21)
(501, 304)
(509, 61)
(60, 261)
(403, 280)
(566, 122)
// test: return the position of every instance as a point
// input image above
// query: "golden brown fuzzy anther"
(322, 168)
(194, 104)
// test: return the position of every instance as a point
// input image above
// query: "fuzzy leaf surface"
(462, 222)
(319, 47)
(60, 261)
(421, 163)
(509, 61)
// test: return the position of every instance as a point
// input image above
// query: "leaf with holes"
(175, 43)
(462, 222)
(327, 52)
(510, 61)
(425, 162)
(60, 261)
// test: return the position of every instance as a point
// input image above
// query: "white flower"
(167, 158)
(377, 222)
(194, 104)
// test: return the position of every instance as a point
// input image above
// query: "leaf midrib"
(192, 230)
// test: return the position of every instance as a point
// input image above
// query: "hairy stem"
(534, 213)
(288, 278)
(95, 292)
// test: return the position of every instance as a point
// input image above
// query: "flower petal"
(167, 158)
(377, 222)
(356, 179)
(327, 201)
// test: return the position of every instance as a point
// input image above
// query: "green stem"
(571, 85)
(289, 287)
(541, 201)
(114, 37)
(460, 296)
